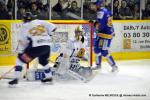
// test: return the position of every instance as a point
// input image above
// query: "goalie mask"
(79, 34)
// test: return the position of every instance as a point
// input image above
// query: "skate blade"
(115, 72)
(48, 83)
(96, 68)
(12, 86)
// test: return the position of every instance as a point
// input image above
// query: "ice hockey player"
(104, 35)
(78, 51)
(35, 38)
(80, 43)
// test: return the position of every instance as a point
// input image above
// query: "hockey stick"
(72, 53)
(4, 74)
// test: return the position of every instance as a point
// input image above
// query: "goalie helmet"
(79, 29)
(78, 32)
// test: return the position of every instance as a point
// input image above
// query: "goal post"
(68, 27)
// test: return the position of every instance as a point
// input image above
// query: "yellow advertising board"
(123, 47)
(5, 38)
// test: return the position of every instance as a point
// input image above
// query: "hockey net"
(65, 31)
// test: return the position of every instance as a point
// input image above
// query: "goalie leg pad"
(79, 72)
(85, 71)
(83, 74)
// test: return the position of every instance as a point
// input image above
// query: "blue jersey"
(104, 17)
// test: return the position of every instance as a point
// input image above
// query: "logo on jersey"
(38, 30)
(100, 15)
(4, 34)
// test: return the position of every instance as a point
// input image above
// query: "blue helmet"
(99, 2)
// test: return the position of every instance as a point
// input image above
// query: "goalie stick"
(72, 53)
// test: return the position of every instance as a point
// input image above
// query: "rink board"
(132, 40)
(10, 60)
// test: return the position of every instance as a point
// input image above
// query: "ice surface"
(133, 78)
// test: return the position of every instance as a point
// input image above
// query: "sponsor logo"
(4, 34)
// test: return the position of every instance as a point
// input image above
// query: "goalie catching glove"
(81, 53)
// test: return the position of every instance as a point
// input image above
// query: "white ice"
(133, 78)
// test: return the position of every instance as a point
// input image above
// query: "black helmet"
(28, 17)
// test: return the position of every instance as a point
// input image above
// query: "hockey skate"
(114, 69)
(13, 83)
(47, 80)
(97, 67)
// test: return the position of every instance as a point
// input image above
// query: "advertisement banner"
(136, 36)
(5, 38)
(131, 36)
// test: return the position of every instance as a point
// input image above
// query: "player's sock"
(85, 71)
(98, 63)
(16, 79)
(112, 63)
(114, 69)
(17, 75)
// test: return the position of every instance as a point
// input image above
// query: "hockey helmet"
(99, 2)
(28, 16)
